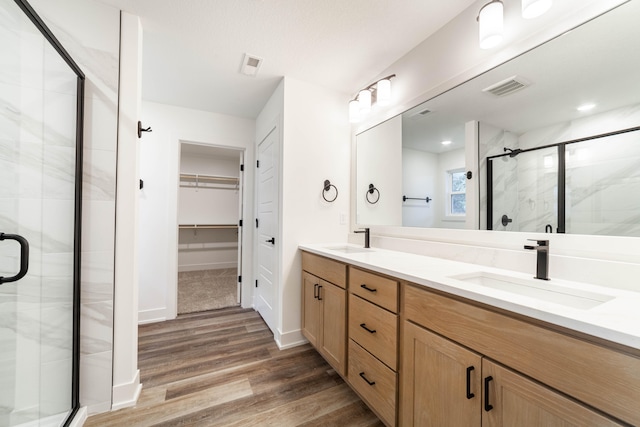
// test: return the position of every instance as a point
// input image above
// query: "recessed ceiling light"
(586, 107)
(446, 142)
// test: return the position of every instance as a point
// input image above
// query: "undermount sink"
(538, 289)
(348, 249)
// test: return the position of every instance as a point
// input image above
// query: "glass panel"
(525, 191)
(603, 186)
(458, 204)
(37, 200)
(458, 182)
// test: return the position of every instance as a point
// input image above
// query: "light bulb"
(364, 98)
(491, 24)
(383, 90)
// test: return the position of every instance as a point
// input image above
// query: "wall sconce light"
(534, 8)
(491, 19)
(378, 92)
(491, 24)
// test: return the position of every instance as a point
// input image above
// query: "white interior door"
(267, 232)
(240, 217)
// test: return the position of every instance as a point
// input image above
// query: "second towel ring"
(326, 188)
(371, 190)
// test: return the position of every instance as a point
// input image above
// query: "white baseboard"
(290, 339)
(152, 316)
(126, 395)
(207, 266)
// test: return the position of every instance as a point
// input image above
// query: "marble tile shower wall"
(90, 32)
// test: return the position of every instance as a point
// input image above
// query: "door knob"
(271, 240)
(24, 257)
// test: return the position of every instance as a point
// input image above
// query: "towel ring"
(326, 188)
(372, 188)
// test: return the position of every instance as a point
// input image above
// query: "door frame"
(172, 288)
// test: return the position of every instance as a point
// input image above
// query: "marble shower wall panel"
(603, 184)
(90, 32)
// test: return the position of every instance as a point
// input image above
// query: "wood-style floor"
(223, 368)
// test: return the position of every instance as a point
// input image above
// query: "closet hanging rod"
(209, 177)
(208, 226)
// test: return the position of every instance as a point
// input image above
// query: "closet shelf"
(208, 226)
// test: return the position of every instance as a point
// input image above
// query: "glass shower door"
(39, 194)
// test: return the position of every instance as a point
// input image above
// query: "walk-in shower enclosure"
(41, 92)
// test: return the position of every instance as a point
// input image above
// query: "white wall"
(159, 168)
(315, 147)
(126, 376)
(90, 32)
(378, 153)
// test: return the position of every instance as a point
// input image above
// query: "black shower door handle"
(24, 257)
(271, 240)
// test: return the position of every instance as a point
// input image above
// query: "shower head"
(513, 153)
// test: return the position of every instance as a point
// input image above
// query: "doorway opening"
(209, 231)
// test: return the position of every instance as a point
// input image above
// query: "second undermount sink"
(538, 289)
(348, 249)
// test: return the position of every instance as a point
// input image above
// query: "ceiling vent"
(420, 114)
(508, 86)
(250, 65)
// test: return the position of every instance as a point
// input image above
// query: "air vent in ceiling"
(420, 114)
(250, 65)
(508, 86)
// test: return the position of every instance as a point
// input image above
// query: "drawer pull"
(469, 394)
(315, 291)
(487, 406)
(319, 288)
(364, 326)
(363, 286)
(365, 378)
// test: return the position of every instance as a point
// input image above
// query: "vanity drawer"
(328, 269)
(383, 342)
(377, 289)
(374, 382)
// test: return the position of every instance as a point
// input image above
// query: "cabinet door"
(310, 308)
(333, 340)
(440, 381)
(517, 401)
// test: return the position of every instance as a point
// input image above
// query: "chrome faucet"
(366, 236)
(542, 264)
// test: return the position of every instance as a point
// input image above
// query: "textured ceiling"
(193, 49)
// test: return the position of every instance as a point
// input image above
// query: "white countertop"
(616, 320)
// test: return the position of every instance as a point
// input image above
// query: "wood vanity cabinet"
(454, 370)
(324, 308)
(373, 341)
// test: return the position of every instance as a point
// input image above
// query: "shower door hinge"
(239, 279)
(257, 163)
(257, 222)
(256, 283)
(240, 223)
(241, 168)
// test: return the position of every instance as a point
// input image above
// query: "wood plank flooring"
(223, 368)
